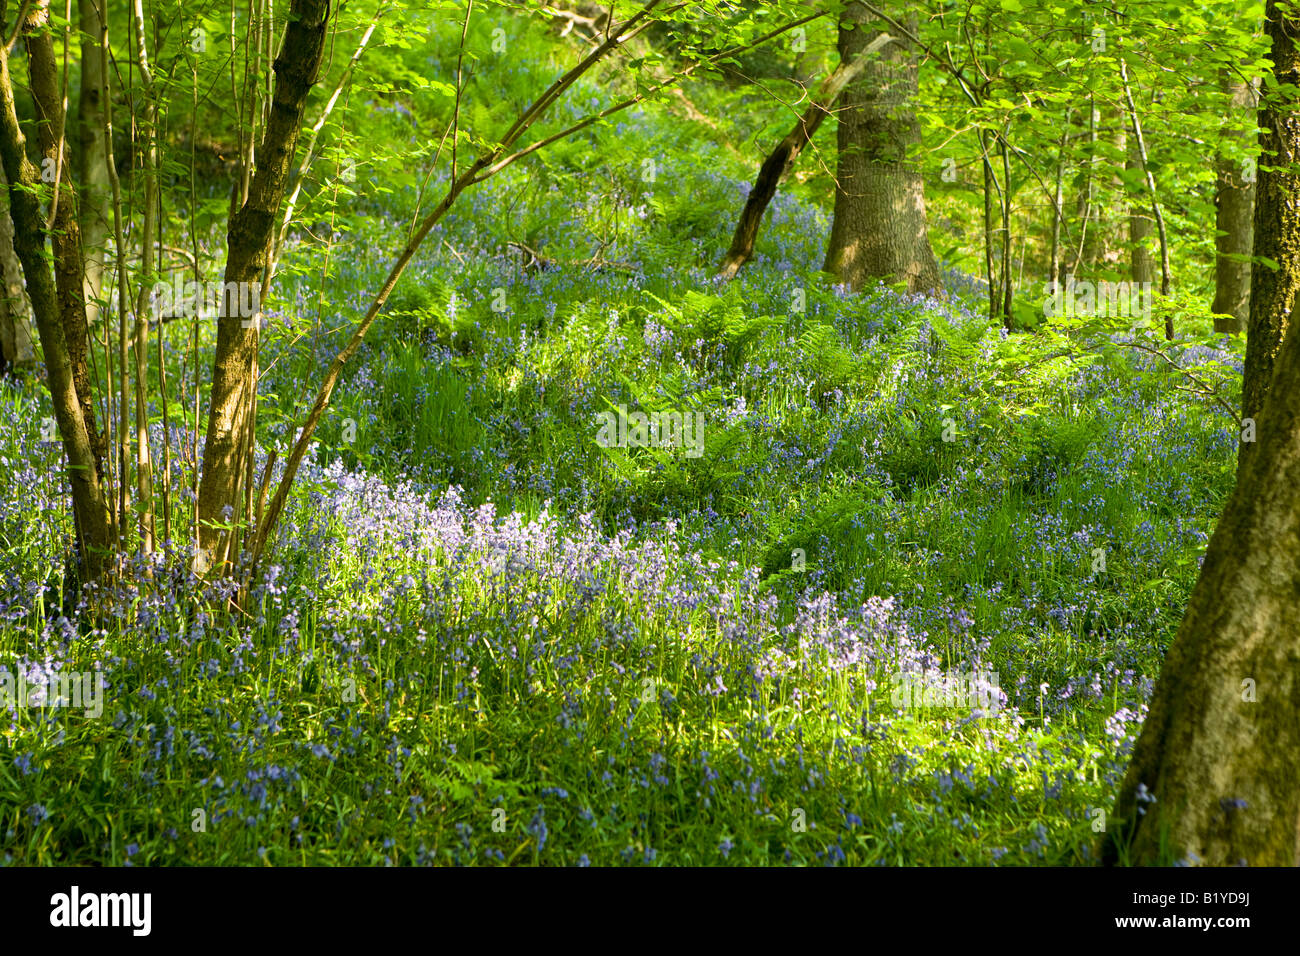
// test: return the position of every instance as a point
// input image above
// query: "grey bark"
(1234, 203)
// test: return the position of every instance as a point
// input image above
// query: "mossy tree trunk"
(1218, 749)
(1277, 218)
(56, 298)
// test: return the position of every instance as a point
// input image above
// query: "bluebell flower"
(537, 827)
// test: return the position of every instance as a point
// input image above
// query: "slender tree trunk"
(1097, 243)
(121, 394)
(16, 333)
(1277, 220)
(989, 184)
(1086, 207)
(1143, 159)
(879, 231)
(1058, 208)
(1006, 283)
(1000, 293)
(49, 302)
(1218, 749)
(148, 235)
(250, 236)
(92, 157)
(1234, 223)
(65, 233)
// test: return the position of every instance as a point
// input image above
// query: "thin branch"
(618, 107)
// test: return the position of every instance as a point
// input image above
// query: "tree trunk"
(143, 455)
(879, 231)
(90, 510)
(16, 334)
(1006, 282)
(249, 239)
(92, 158)
(779, 162)
(1234, 223)
(1085, 209)
(1141, 264)
(1058, 207)
(1218, 748)
(1277, 221)
(1098, 249)
(65, 233)
(1136, 126)
(1214, 777)
(986, 163)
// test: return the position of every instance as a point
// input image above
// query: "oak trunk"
(879, 231)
